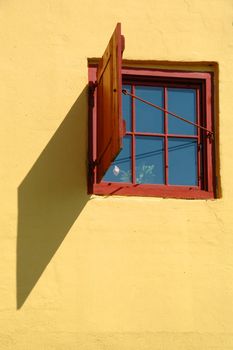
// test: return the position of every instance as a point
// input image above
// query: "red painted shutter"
(109, 104)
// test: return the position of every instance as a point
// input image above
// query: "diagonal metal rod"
(125, 92)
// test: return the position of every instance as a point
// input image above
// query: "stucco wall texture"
(105, 273)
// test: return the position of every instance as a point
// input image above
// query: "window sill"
(125, 189)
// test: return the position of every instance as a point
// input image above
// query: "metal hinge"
(91, 90)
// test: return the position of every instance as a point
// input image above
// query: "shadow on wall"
(51, 197)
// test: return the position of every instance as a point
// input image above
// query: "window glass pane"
(126, 108)
(148, 118)
(182, 161)
(183, 103)
(149, 160)
(120, 170)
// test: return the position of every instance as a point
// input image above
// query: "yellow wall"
(93, 273)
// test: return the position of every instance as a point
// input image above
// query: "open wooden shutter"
(109, 104)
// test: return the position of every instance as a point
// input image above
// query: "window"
(168, 141)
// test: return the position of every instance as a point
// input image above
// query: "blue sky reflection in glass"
(182, 160)
(150, 150)
(149, 160)
(183, 103)
(148, 118)
(120, 170)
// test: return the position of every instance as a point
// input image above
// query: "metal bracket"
(210, 136)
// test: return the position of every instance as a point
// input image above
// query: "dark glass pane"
(148, 118)
(182, 161)
(126, 108)
(149, 160)
(183, 103)
(120, 170)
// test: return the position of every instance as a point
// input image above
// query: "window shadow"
(51, 197)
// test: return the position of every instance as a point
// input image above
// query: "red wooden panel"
(109, 104)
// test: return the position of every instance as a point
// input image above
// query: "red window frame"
(202, 81)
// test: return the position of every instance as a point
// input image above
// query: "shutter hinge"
(91, 90)
(92, 86)
(93, 164)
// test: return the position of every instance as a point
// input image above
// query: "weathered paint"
(106, 272)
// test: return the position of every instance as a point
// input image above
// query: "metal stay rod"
(125, 92)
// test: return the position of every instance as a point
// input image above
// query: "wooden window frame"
(203, 80)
